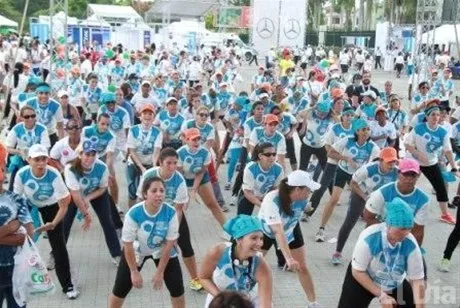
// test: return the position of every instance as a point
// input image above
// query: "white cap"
(223, 84)
(38, 150)
(302, 178)
(369, 93)
(263, 95)
(62, 93)
(145, 82)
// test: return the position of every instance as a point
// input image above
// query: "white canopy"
(114, 11)
(94, 21)
(7, 22)
(444, 34)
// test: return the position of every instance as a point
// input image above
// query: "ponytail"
(18, 69)
(77, 167)
(284, 191)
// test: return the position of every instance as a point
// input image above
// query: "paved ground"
(95, 274)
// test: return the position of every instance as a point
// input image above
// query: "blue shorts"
(204, 180)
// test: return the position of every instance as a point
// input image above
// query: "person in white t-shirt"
(383, 132)
(144, 96)
(64, 151)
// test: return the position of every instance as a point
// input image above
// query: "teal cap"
(43, 87)
(324, 106)
(358, 124)
(241, 101)
(242, 225)
(399, 214)
(108, 97)
(348, 110)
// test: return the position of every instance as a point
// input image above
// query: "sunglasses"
(273, 154)
(29, 116)
(73, 128)
(409, 174)
(203, 115)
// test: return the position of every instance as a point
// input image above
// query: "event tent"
(5, 22)
(444, 34)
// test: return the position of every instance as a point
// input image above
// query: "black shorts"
(172, 277)
(296, 243)
(344, 68)
(341, 178)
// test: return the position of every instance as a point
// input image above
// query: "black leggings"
(183, 241)
(58, 245)
(102, 208)
(239, 177)
(434, 176)
(454, 238)
(327, 181)
(172, 277)
(244, 206)
(356, 296)
(307, 151)
(290, 149)
(355, 209)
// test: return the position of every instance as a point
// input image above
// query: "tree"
(347, 6)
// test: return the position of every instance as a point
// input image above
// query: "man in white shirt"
(144, 96)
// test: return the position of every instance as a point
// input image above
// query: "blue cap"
(241, 101)
(242, 225)
(89, 146)
(108, 97)
(324, 106)
(399, 214)
(358, 124)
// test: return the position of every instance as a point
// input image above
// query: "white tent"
(7, 22)
(110, 12)
(94, 21)
(442, 35)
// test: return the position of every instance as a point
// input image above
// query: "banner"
(147, 38)
(293, 23)
(234, 17)
(278, 23)
(265, 22)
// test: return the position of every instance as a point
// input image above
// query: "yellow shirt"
(284, 65)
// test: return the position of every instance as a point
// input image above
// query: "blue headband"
(43, 88)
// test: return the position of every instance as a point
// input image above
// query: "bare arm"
(208, 266)
(265, 284)
(248, 194)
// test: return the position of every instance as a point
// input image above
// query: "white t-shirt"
(389, 130)
(138, 100)
(62, 152)
(387, 265)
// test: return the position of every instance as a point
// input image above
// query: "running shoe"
(448, 218)
(72, 293)
(444, 265)
(305, 217)
(228, 186)
(195, 284)
(313, 305)
(320, 237)
(337, 259)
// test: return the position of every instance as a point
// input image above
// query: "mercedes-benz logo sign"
(265, 27)
(292, 29)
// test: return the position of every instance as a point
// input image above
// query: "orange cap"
(388, 154)
(271, 118)
(192, 133)
(75, 70)
(147, 107)
(432, 102)
(337, 92)
(266, 86)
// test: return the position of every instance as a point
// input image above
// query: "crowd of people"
(153, 116)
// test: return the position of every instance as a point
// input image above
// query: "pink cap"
(409, 165)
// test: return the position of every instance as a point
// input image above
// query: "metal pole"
(279, 24)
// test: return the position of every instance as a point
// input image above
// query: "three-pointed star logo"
(265, 27)
(292, 29)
